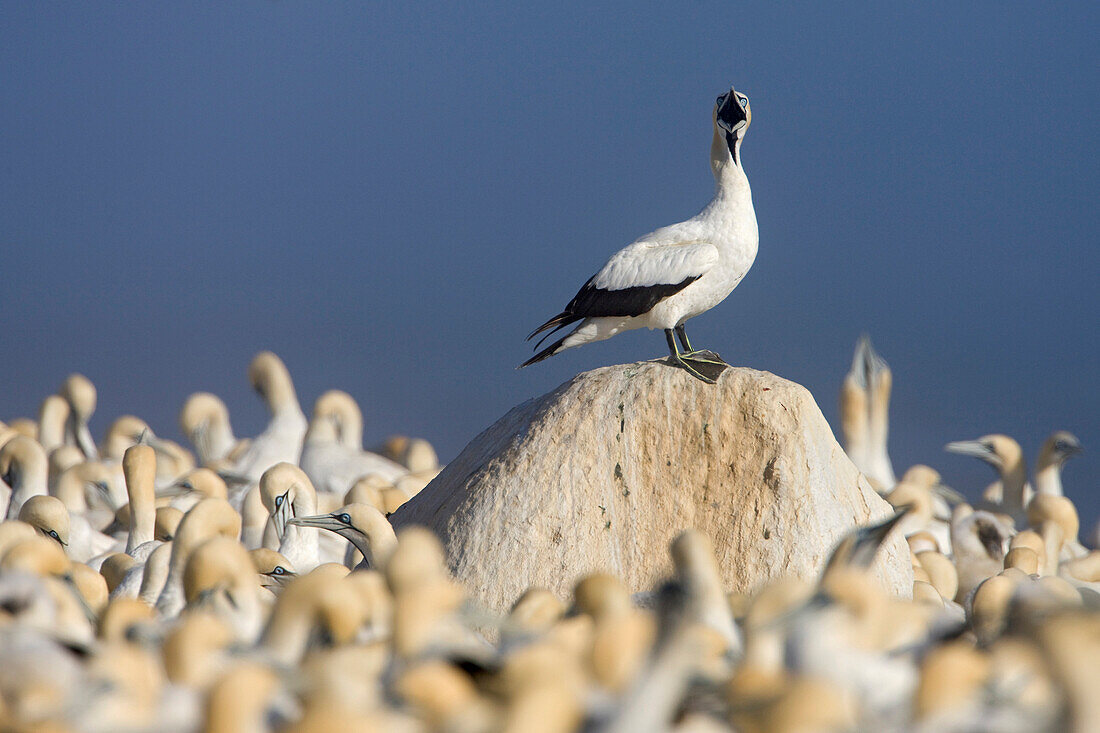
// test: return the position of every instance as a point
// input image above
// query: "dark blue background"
(391, 195)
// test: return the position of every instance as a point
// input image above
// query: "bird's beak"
(276, 581)
(321, 521)
(172, 491)
(282, 516)
(973, 448)
(730, 116)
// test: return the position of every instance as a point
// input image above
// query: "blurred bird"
(331, 464)
(204, 420)
(865, 415)
(281, 440)
(1056, 450)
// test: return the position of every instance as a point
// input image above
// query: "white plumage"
(678, 271)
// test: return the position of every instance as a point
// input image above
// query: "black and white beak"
(732, 113)
(282, 515)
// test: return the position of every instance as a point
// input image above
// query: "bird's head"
(732, 116)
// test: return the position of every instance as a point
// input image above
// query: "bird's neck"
(726, 165)
(1013, 481)
(1048, 479)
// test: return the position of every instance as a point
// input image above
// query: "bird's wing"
(638, 277)
(635, 279)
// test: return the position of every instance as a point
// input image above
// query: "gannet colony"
(259, 584)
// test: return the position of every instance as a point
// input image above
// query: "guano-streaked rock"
(604, 471)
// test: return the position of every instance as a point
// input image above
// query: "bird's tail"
(546, 353)
(559, 321)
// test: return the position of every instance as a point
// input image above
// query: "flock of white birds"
(257, 585)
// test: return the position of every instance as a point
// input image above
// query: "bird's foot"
(705, 356)
(680, 362)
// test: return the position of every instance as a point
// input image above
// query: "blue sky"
(392, 195)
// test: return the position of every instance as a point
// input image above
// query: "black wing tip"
(545, 353)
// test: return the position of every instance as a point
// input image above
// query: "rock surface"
(603, 472)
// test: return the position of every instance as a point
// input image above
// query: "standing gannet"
(281, 440)
(865, 415)
(678, 271)
(1058, 448)
(24, 469)
(80, 393)
(331, 464)
(1007, 459)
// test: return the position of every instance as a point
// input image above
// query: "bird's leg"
(704, 356)
(681, 334)
(674, 354)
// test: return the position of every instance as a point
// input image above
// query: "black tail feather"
(545, 353)
(559, 321)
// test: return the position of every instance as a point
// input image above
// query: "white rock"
(603, 472)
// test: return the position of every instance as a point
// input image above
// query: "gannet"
(139, 468)
(48, 516)
(360, 524)
(274, 570)
(208, 519)
(45, 558)
(193, 486)
(622, 635)
(220, 577)
(24, 470)
(928, 498)
(53, 417)
(331, 464)
(1056, 450)
(342, 409)
(865, 415)
(287, 492)
(61, 459)
(167, 522)
(314, 606)
(979, 542)
(80, 393)
(1004, 455)
(281, 440)
(379, 493)
(676, 272)
(204, 419)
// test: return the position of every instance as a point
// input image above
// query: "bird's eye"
(53, 533)
(345, 518)
(187, 486)
(278, 501)
(279, 570)
(744, 102)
